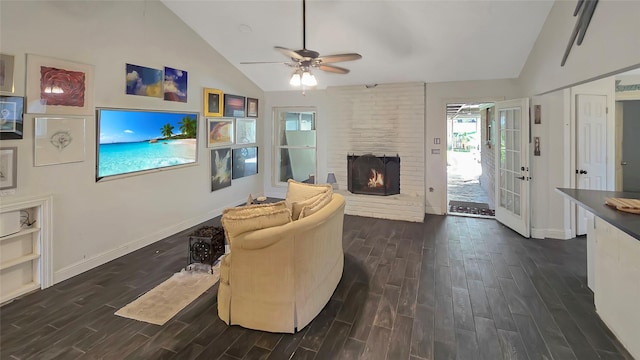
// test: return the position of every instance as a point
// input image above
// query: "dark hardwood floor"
(451, 288)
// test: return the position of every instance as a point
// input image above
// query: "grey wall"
(630, 152)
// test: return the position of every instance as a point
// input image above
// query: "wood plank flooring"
(450, 288)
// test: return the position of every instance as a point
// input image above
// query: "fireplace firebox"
(373, 175)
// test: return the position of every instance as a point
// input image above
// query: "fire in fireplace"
(373, 175)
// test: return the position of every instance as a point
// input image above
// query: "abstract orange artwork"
(62, 87)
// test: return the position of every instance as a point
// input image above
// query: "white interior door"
(591, 161)
(512, 164)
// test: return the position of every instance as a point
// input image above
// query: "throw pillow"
(297, 207)
(238, 220)
(256, 208)
(316, 206)
(297, 191)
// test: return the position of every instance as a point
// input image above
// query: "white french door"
(512, 164)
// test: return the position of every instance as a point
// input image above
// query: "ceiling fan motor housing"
(307, 54)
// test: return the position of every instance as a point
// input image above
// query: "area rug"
(474, 208)
(164, 301)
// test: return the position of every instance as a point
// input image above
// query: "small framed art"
(175, 85)
(245, 131)
(11, 117)
(143, 81)
(8, 167)
(6, 73)
(252, 107)
(219, 132)
(59, 140)
(213, 105)
(234, 105)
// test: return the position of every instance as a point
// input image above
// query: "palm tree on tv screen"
(167, 130)
(188, 126)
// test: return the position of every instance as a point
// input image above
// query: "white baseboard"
(124, 249)
(561, 234)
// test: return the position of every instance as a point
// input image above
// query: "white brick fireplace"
(382, 120)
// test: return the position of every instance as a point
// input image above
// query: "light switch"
(436, 141)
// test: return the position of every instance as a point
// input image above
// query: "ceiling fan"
(304, 60)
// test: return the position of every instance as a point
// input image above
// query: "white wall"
(550, 211)
(611, 44)
(438, 95)
(97, 222)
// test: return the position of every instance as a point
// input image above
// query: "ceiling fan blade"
(288, 53)
(338, 58)
(333, 69)
(261, 62)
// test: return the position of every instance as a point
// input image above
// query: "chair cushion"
(241, 219)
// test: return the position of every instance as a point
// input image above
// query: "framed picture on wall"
(56, 86)
(6, 73)
(245, 162)
(252, 107)
(234, 105)
(219, 132)
(213, 105)
(59, 140)
(175, 84)
(220, 168)
(143, 81)
(245, 131)
(8, 167)
(11, 117)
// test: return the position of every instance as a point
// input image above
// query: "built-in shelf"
(20, 233)
(25, 265)
(18, 261)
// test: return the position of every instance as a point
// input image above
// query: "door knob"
(623, 163)
(583, 171)
(520, 177)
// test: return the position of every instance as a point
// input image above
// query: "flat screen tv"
(134, 141)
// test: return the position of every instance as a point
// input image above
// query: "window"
(295, 153)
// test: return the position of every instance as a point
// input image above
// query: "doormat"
(474, 208)
(164, 301)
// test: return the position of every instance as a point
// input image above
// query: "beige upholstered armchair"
(278, 278)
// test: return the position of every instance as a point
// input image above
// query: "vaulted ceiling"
(400, 41)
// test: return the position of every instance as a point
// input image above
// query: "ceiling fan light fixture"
(308, 79)
(295, 79)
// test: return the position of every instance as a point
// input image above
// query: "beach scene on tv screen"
(132, 141)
